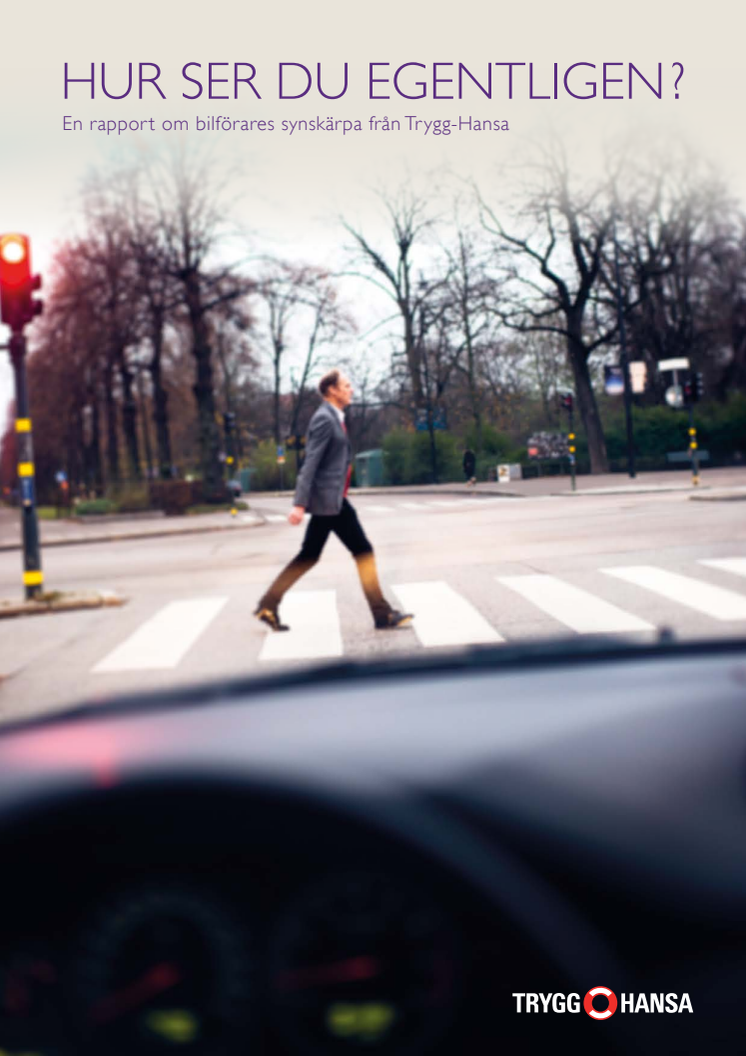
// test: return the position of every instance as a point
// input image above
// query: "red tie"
(349, 468)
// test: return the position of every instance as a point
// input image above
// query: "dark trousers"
(349, 531)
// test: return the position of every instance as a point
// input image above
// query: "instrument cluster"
(355, 960)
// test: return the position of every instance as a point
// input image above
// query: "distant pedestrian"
(321, 489)
(470, 464)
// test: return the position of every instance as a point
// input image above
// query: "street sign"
(280, 452)
(682, 363)
(675, 396)
(60, 476)
(614, 381)
(280, 460)
(638, 375)
(439, 419)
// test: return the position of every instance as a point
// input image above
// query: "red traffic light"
(13, 251)
(17, 306)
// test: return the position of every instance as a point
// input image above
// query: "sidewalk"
(112, 529)
(716, 484)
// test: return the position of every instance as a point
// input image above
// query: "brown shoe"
(393, 620)
(271, 618)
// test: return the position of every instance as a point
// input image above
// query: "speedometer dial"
(163, 971)
(362, 961)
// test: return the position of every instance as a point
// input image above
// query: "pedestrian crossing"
(577, 609)
(489, 609)
(717, 602)
(162, 641)
(316, 630)
(378, 509)
(444, 617)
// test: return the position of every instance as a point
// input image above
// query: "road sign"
(675, 396)
(614, 381)
(638, 375)
(60, 476)
(682, 363)
(280, 460)
(439, 419)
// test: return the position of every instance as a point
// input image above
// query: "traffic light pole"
(571, 448)
(693, 447)
(33, 577)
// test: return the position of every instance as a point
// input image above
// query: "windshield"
(357, 359)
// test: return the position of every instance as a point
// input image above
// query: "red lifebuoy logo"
(608, 994)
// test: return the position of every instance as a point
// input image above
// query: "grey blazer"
(321, 481)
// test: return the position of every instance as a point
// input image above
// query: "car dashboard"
(380, 857)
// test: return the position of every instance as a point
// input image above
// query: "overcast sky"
(289, 190)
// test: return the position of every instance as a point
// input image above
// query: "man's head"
(336, 388)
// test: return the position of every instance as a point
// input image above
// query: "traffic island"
(60, 601)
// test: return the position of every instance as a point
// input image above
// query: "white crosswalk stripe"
(276, 518)
(314, 633)
(165, 638)
(737, 565)
(713, 601)
(412, 505)
(442, 616)
(446, 502)
(378, 509)
(578, 609)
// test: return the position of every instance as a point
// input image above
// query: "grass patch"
(95, 507)
(50, 513)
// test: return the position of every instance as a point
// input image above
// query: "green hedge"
(407, 458)
(130, 498)
(721, 430)
(94, 507)
(175, 497)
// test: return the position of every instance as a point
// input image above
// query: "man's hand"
(296, 514)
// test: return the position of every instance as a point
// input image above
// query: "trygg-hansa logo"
(528, 1002)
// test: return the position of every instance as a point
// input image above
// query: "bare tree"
(553, 273)
(191, 220)
(472, 301)
(302, 315)
(410, 226)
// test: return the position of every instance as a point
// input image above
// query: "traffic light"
(229, 422)
(566, 401)
(17, 284)
(699, 385)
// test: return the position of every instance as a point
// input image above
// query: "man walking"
(321, 489)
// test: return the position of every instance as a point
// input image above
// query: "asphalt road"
(472, 569)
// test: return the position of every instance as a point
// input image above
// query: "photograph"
(372, 529)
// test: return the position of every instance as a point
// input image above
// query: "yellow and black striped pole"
(571, 451)
(33, 577)
(693, 448)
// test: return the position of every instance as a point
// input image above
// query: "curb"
(121, 537)
(739, 496)
(649, 489)
(63, 603)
